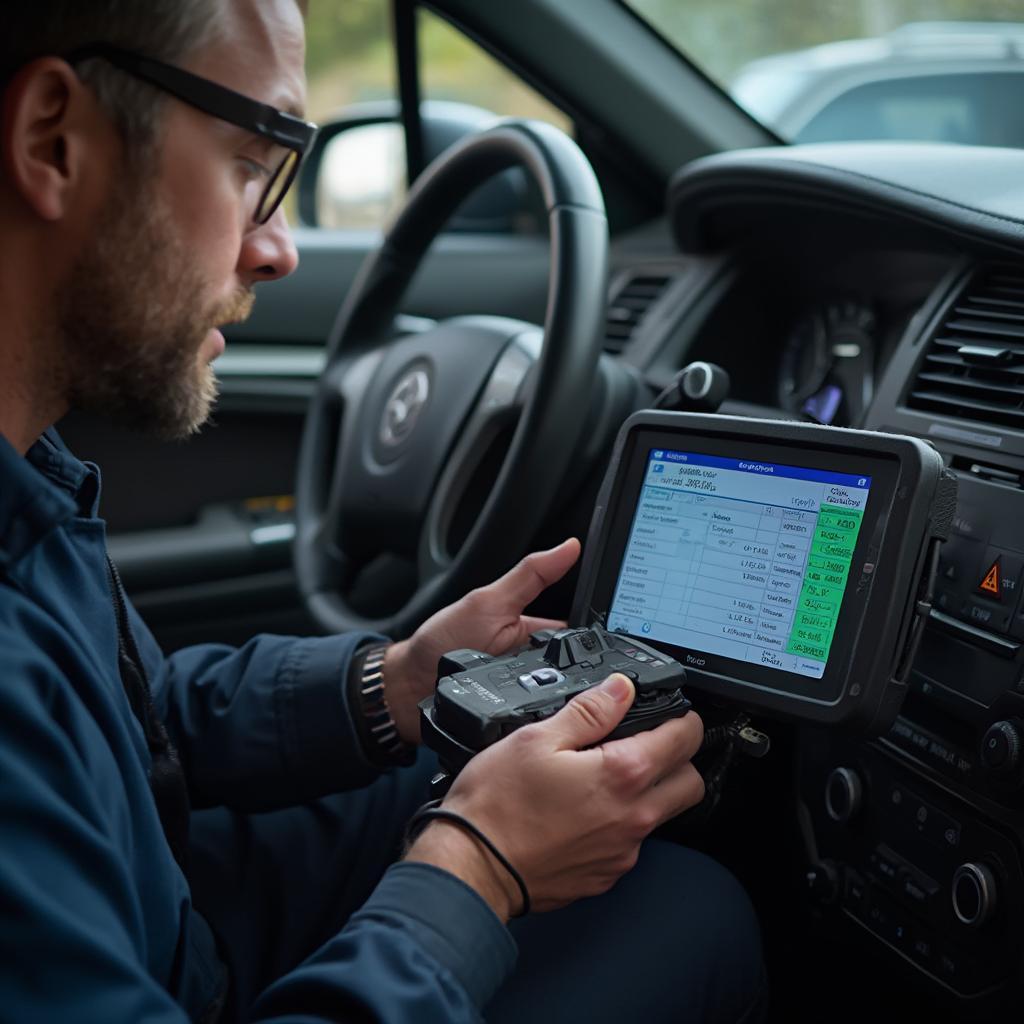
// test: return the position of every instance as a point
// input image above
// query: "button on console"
(1001, 576)
(986, 614)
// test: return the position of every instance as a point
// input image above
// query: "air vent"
(627, 309)
(974, 368)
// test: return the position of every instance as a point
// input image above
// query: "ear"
(48, 124)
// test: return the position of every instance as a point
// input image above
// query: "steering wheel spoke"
(497, 409)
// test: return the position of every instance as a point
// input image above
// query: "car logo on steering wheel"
(404, 406)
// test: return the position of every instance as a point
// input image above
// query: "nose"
(268, 251)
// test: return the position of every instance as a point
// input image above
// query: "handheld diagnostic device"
(479, 698)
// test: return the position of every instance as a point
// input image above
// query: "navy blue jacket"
(96, 920)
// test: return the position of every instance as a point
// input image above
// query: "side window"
(351, 68)
(350, 72)
(455, 68)
(350, 59)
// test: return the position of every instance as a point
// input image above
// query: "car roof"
(786, 89)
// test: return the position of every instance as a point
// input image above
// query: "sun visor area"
(972, 194)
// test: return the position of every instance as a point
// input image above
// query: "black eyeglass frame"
(219, 101)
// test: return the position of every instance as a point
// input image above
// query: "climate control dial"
(1001, 747)
(974, 893)
(844, 794)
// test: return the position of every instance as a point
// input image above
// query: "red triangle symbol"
(990, 584)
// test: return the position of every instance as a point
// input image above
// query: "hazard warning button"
(1003, 578)
(991, 584)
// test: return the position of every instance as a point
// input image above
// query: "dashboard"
(882, 286)
(810, 333)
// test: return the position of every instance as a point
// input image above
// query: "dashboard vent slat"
(970, 325)
(1004, 312)
(942, 359)
(629, 306)
(965, 386)
(972, 369)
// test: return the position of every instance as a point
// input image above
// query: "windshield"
(828, 70)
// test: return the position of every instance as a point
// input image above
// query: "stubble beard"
(132, 318)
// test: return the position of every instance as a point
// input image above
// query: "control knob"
(697, 387)
(974, 893)
(823, 881)
(704, 385)
(844, 793)
(1001, 747)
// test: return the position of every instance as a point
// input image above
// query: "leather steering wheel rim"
(553, 401)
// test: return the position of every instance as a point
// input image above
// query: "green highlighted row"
(828, 568)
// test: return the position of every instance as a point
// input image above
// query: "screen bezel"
(884, 470)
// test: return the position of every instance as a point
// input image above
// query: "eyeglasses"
(293, 134)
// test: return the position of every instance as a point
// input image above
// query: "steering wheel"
(400, 430)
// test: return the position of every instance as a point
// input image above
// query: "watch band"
(382, 733)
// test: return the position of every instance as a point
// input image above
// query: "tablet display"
(740, 558)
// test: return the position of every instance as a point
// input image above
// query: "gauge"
(827, 365)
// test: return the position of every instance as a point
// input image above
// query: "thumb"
(589, 717)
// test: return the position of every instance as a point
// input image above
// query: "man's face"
(174, 253)
(135, 315)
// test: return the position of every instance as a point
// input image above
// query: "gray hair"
(167, 30)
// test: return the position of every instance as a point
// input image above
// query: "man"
(207, 836)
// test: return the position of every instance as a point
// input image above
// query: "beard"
(132, 319)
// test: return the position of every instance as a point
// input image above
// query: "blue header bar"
(762, 468)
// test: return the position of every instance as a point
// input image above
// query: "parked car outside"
(930, 81)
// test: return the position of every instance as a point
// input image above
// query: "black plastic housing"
(479, 699)
(909, 511)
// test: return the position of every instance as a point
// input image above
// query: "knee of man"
(705, 914)
(698, 889)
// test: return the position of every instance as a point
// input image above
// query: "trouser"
(674, 940)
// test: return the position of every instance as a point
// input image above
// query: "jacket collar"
(39, 492)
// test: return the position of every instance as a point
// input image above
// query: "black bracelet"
(431, 812)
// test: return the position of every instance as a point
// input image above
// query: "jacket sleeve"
(74, 938)
(262, 726)
(424, 948)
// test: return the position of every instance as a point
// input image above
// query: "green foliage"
(344, 30)
(350, 59)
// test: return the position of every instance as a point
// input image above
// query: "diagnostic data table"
(744, 559)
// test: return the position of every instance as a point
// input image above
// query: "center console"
(922, 828)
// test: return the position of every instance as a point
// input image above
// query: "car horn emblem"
(404, 406)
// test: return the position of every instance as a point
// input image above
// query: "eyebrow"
(287, 104)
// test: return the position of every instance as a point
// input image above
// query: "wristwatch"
(379, 733)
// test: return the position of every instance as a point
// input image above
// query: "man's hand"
(489, 619)
(568, 815)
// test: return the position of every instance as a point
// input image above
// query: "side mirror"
(354, 177)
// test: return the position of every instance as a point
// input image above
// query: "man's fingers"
(677, 792)
(663, 749)
(535, 573)
(531, 623)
